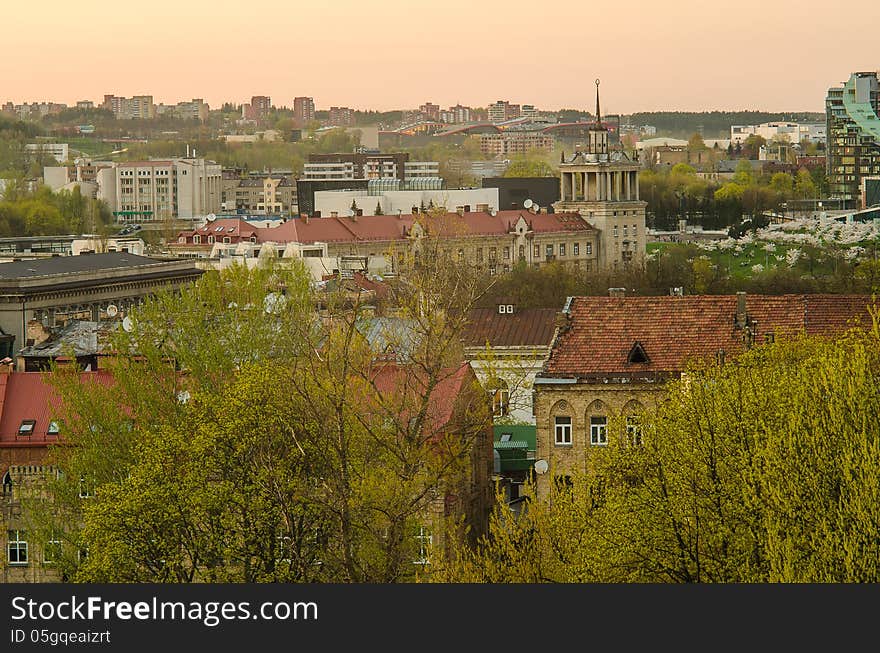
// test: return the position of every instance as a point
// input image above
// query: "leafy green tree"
(740, 476)
(529, 167)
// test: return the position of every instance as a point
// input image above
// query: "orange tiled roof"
(602, 331)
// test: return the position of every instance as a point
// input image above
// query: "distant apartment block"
(85, 105)
(260, 194)
(258, 109)
(528, 111)
(779, 131)
(195, 109)
(58, 151)
(513, 143)
(152, 191)
(136, 107)
(502, 110)
(341, 117)
(431, 111)
(852, 115)
(303, 110)
(455, 115)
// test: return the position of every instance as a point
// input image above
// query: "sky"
(687, 55)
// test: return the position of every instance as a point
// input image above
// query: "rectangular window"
(561, 249)
(615, 231)
(52, 550)
(479, 254)
(576, 249)
(425, 541)
(625, 234)
(589, 249)
(493, 253)
(85, 488)
(26, 427)
(507, 253)
(599, 430)
(500, 402)
(563, 430)
(16, 547)
(549, 250)
(634, 430)
(537, 251)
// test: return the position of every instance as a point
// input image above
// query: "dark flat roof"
(68, 264)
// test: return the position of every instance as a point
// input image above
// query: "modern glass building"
(852, 114)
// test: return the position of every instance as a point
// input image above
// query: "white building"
(147, 191)
(58, 151)
(789, 131)
(391, 202)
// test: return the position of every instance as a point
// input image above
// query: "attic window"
(53, 428)
(637, 354)
(218, 228)
(26, 427)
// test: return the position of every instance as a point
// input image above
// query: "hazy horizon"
(391, 55)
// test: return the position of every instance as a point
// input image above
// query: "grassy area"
(740, 265)
(89, 146)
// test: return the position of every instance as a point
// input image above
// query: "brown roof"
(29, 396)
(673, 330)
(392, 227)
(526, 327)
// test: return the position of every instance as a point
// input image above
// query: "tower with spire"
(602, 185)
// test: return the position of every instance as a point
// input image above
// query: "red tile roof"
(231, 227)
(29, 396)
(526, 327)
(393, 379)
(674, 330)
(392, 227)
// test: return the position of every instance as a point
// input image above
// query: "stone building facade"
(612, 357)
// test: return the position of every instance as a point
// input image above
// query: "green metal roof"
(518, 432)
(862, 113)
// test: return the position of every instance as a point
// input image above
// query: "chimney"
(334, 214)
(740, 318)
(467, 208)
(617, 292)
(6, 365)
(317, 214)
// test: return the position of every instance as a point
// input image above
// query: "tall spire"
(598, 114)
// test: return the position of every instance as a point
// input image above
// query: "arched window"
(597, 420)
(633, 416)
(7, 483)
(500, 398)
(561, 424)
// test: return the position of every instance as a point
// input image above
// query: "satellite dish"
(112, 310)
(210, 217)
(127, 324)
(528, 204)
(541, 466)
(493, 213)
(536, 207)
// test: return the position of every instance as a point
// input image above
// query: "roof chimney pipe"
(740, 318)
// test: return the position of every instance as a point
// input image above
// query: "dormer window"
(26, 427)
(210, 240)
(637, 354)
(197, 240)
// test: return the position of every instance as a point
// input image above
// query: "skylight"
(26, 427)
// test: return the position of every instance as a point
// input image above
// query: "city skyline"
(650, 58)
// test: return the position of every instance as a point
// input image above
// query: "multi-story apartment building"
(136, 107)
(502, 110)
(852, 114)
(513, 143)
(356, 165)
(196, 109)
(341, 117)
(147, 191)
(303, 110)
(603, 186)
(792, 132)
(260, 194)
(430, 110)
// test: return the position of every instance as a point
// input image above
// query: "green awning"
(512, 444)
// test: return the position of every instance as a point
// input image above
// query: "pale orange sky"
(775, 55)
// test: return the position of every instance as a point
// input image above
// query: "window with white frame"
(634, 430)
(425, 540)
(500, 400)
(16, 547)
(598, 430)
(562, 428)
(576, 249)
(52, 549)
(85, 488)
